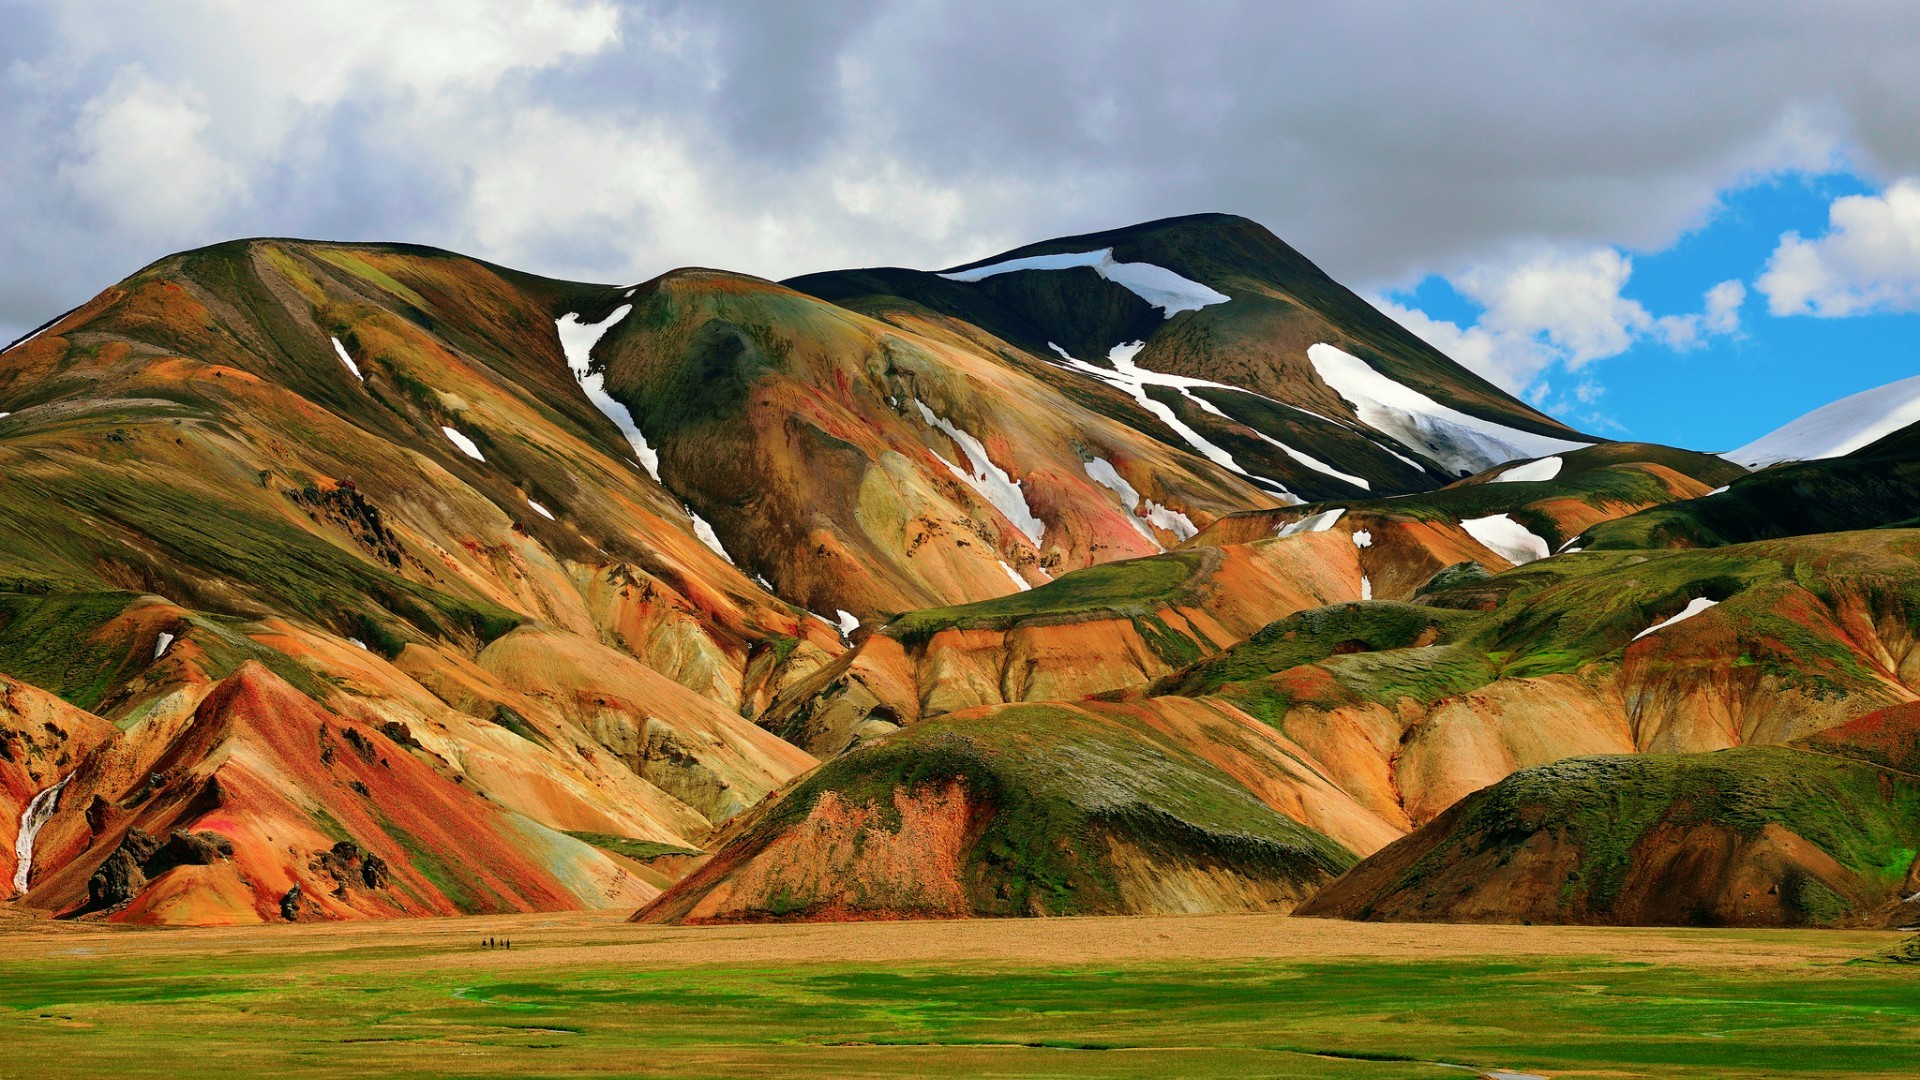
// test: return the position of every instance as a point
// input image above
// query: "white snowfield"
(1842, 427)
(577, 340)
(1363, 539)
(1507, 538)
(1319, 522)
(1694, 607)
(1463, 443)
(347, 360)
(541, 510)
(1014, 576)
(1366, 587)
(465, 444)
(849, 622)
(992, 482)
(704, 530)
(1157, 285)
(1134, 379)
(161, 644)
(1545, 469)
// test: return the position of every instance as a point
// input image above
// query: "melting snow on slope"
(161, 644)
(541, 510)
(1716, 491)
(1130, 377)
(1175, 522)
(1545, 469)
(347, 360)
(37, 813)
(1157, 285)
(1103, 473)
(848, 622)
(1319, 522)
(577, 340)
(1363, 539)
(1303, 457)
(1694, 607)
(1445, 434)
(1506, 538)
(1839, 428)
(1366, 587)
(990, 480)
(705, 532)
(465, 444)
(1014, 575)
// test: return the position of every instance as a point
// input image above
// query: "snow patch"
(1694, 607)
(577, 340)
(1319, 522)
(1363, 539)
(1507, 538)
(705, 532)
(1175, 522)
(1545, 469)
(1842, 427)
(358, 644)
(541, 510)
(1312, 462)
(990, 480)
(1015, 576)
(1102, 472)
(37, 814)
(1716, 491)
(1366, 587)
(1157, 285)
(347, 360)
(1134, 380)
(1445, 434)
(162, 644)
(465, 444)
(848, 622)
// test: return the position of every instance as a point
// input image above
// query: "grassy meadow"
(1247, 996)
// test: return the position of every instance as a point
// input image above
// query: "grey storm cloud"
(614, 141)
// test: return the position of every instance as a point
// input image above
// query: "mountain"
(1148, 570)
(1838, 428)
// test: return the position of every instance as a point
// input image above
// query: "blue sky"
(1585, 202)
(1727, 389)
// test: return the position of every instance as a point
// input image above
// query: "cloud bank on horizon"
(1525, 166)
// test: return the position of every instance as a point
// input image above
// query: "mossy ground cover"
(1056, 780)
(425, 1000)
(1862, 815)
(1134, 587)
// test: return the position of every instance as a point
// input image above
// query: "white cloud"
(1569, 299)
(1565, 308)
(1869, 259)
(1722, 315)
(143, 162)
(1507, 359)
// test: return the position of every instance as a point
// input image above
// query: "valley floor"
(1255, 995)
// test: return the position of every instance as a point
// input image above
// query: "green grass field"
(595, 997)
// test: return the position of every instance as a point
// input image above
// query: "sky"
(1685, 223)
